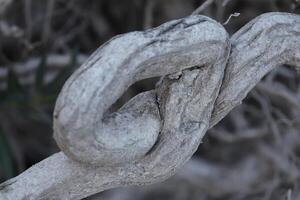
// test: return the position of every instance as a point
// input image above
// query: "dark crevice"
(133, 90)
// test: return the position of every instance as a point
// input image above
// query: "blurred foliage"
(6, 158)
(28, 113)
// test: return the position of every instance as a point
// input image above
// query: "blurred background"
(253, 154)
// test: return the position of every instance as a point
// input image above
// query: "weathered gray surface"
(155, 133)
(79, 116)
(266, 42)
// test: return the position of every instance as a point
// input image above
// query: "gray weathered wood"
(156, 132)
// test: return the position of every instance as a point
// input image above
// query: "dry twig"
(203, 6)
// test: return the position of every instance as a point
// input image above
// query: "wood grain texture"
(156, 132)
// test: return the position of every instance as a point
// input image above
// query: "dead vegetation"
(252, 154)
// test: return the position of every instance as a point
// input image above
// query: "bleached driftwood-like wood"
(80, 118)
(117, 149)
(266, 42)
(156, 132)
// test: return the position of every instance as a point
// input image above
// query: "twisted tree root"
(156, 132)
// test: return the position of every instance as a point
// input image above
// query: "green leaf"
(40, 73)
(55, 86)
(6, 160)
(13, 84)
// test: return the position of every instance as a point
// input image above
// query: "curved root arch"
(156, 132)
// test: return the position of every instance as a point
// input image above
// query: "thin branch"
(203, 7)
(3, 5)
(148, 19)
(230, 16)
(28, 18)
(47, 21)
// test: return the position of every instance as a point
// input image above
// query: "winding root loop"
(156, 132)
